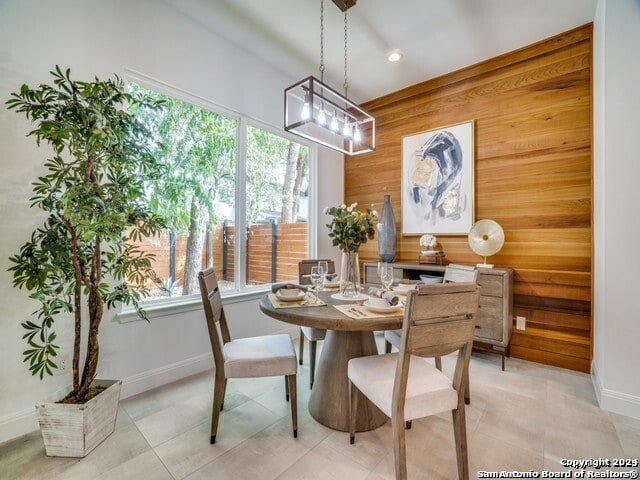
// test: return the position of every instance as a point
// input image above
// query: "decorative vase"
(387, 233)
(350, 275)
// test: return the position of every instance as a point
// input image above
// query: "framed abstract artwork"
(437, 181)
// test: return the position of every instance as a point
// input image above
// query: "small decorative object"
(486, 238)
(437, 180)
(428, 242)
(350, 228)
(387, 232)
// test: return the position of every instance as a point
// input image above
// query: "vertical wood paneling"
(532, 114)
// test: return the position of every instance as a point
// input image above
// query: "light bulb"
(306, 111)
(346, 130)
(357, 136)
(334, 123)
(322, 119)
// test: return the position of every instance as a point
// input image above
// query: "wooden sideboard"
(495, 315)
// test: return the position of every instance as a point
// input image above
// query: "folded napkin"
(279, 286)
(390, 297)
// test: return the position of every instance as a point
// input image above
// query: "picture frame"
(437, 180)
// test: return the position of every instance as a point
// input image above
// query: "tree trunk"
(195, 243)
(288, 213)
(300, 174)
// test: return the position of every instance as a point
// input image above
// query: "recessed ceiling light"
(394, 56)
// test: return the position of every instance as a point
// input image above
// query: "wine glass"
(324, 266)
(386, 276)
(316, 279)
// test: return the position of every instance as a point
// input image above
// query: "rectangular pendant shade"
(318, 113)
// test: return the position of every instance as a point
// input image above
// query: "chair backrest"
(438, 319)
(459, 273)
(304, 269)
(214, 314)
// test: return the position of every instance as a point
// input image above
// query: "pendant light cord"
(322, 41)
(346, 84)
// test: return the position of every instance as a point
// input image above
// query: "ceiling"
(435, 36)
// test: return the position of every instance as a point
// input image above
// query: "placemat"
(307, 302)
(357, 311)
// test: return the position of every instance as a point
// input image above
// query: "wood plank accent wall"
(533, 118)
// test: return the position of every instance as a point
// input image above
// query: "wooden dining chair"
(263, 356)
(438, 320)
(452, 273)
(313, 335)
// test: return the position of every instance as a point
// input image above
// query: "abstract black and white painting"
(437, 181)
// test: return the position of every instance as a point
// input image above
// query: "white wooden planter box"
(74, 430)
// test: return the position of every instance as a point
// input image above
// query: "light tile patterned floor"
(528, 417)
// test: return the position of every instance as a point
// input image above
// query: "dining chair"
(313, 335)
(263, 356)
(439, 319)
(452, 273)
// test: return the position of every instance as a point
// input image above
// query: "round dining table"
(346, 338)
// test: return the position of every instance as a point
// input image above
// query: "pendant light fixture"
(317, 112)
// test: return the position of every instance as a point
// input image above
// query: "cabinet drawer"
(489, 322)
(490, 284)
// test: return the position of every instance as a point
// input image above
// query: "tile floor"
(528, 417)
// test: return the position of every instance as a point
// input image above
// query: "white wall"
(616, 362)
(94, 37)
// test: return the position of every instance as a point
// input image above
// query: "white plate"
(389, 309)
(290, 298)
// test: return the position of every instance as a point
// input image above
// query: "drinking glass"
(386, 275)
(324, 266)
(316, 280)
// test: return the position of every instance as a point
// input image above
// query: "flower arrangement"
(349, 227)
(428, 241)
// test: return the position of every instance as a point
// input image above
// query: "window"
(225, 174)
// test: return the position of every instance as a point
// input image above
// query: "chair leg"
(439, 363)
(286, 389)
(467, 392)
(399, 448)
(293, 390)
(301, 347)
(312, 362)
(387, 347)
(224, 392)
(218, 398)
(407, 424)
(460, 434)
(353, 410)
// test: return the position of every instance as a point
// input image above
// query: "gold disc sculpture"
(486, 238)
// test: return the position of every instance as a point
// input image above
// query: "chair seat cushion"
(263, 356)
(393, 337)
(429, 391)
(313, 334)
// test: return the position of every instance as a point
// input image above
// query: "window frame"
(241, 292)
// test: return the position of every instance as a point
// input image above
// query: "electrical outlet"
(521, 323)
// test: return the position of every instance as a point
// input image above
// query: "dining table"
(350, 329)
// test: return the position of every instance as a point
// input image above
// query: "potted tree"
(83, 258)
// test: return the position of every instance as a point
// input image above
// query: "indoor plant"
(93, 193)
(348, 229)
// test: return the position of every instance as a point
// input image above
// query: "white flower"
(326, 210)
(355, 214)
(374, 213)
(380, 226)
(343, 206)
(353, 205)
(350, 209)
(428, 240)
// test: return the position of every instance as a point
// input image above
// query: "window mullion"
(241, 206)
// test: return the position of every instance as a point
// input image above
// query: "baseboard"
(25, 421)
(613, 401)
